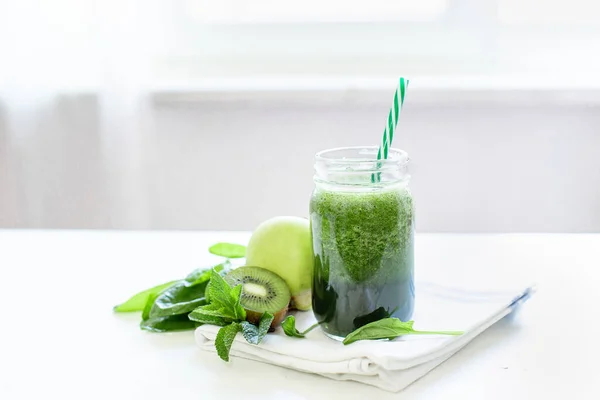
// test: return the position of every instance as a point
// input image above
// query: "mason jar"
(362, 225)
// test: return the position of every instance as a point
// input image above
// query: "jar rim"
(396, 157)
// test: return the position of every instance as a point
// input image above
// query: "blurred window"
(556, 12)
(286, 11)
(83, 43)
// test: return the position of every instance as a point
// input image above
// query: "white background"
(205, 115)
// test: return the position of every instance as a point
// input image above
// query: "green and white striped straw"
(390, 128)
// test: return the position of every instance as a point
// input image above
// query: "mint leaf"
(168, 324)
(139, 300)
(179, 299)
(203, 318)
(389, 328)
(255, 334)
(264, 325)
(219, 291)
(238, 311)
(289, 327)
(212, 309)
(202, 275)
(226, 297)
(225, 338)
(210, 314)
(229, 250)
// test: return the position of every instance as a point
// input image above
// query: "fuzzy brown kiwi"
(262, 291)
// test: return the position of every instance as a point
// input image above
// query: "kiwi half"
(262, 291)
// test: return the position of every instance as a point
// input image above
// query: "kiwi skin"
(252, 274)
(254, 317)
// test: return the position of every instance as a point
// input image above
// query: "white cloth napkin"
(389, 365)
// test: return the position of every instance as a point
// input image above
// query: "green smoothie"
(363, 247)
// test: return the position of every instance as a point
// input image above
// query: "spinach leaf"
(255, 334)
(225, 338)
(202, 275)
(197, 277)
(168, 324)
(179, 299)
(138, 301)
(289, 327)
(148, 306)
(390, 328)
(229, 250)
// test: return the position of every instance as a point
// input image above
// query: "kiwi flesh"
(262, 291)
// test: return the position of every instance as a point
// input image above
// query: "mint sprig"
(225, 338)
(224, 298)
(225, 310)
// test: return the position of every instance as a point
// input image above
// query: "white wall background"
(205, 114)
(483, 161)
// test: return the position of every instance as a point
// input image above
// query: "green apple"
(283, 245)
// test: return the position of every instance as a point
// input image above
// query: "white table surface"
(59, 337)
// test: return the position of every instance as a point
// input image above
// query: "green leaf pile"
(202, 297)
